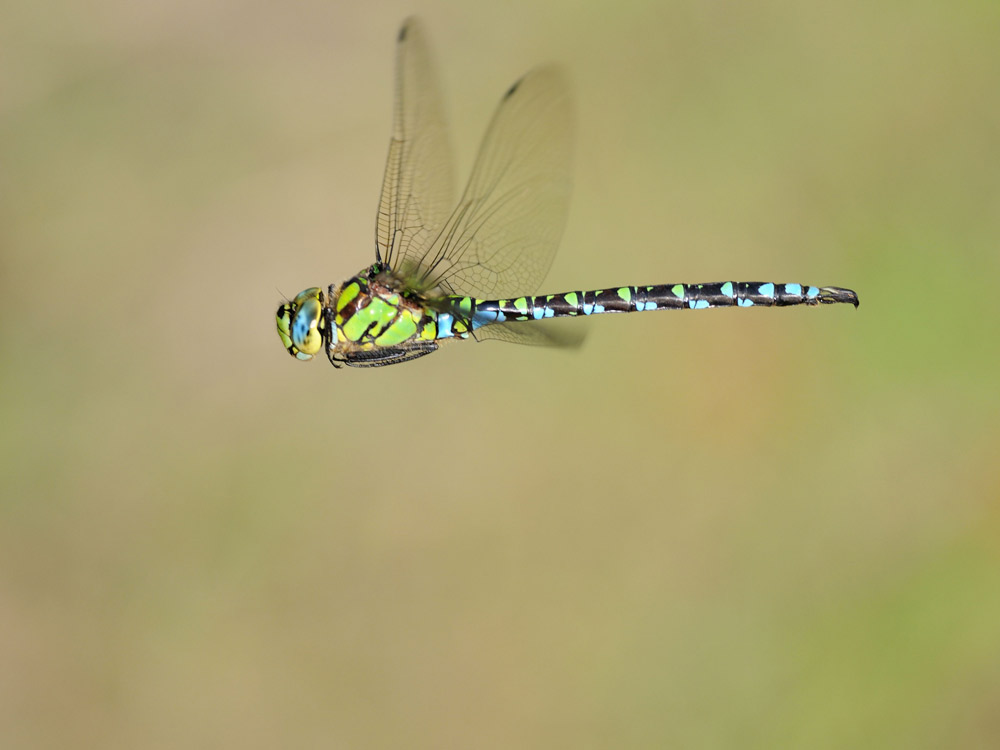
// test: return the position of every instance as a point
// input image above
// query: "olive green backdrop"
(753, 529)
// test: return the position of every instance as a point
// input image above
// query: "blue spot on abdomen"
(444, 324)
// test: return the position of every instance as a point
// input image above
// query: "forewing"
(502, 236)
(418, 186)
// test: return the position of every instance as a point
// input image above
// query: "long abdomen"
(658, 297)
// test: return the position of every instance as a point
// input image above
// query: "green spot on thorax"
(404, 328)
(429, 331)
(376, 315)
(347, 294)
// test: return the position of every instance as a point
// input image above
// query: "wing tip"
(409, 25)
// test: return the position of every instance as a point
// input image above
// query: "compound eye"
(305, 328)
(284, 325)
(299, 324)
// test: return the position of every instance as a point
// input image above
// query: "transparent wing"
(502, 236)
(418, 186)
(534, 333)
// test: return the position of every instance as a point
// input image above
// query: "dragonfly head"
(300, 324)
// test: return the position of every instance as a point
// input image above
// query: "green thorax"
(377, 309)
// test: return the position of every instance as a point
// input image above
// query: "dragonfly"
(447, 272)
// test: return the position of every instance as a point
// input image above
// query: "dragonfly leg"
(389, 355)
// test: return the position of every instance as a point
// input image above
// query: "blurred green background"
(727, 529)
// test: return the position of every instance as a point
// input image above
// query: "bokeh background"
(725, 529)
